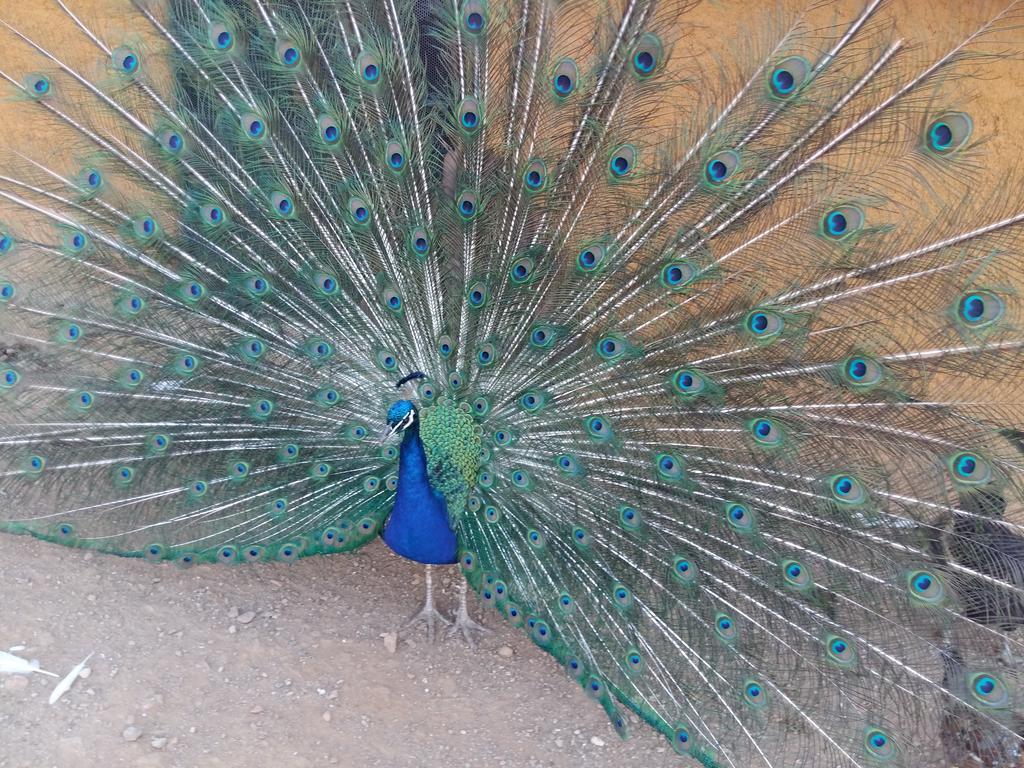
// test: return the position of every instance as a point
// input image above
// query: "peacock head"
(401, 415)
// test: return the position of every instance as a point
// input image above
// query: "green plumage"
(452, 442)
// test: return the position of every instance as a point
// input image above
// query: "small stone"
(132, 733)
(91, 598)
(84, 674)
(158, 742)
(390, 641)
(597, 741)
(233, 613)
(326, 716)
(506, 652)
(257, 710)
(192, 729)
(16, 683)
(245, 618)
(332, 695)
(232, 629)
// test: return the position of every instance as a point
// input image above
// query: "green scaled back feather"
(722, 353)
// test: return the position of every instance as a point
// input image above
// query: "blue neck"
(418, 528)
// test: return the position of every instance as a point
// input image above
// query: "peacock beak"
(387, 433)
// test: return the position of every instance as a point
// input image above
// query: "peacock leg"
(464, 623)
(429, 615)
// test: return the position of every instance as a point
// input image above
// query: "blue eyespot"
(764, 325)
(564, 78)
(754, 694)
(622, 161)
(669, 467)
(721, 166)
(783, 81)
(788, 76)
(474, 17)
(678, 274)
(37, 85)
(926, 587)
(591, 257)
(171, 141)
(477, 295)
(949, 133)
(126, 60)
(979, 309)
(766, 432)
(970, 469)
(840, 223)
(989, 690)
(220, 37)
(535, 177)
(647, 55)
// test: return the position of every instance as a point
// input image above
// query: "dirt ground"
(306, 681)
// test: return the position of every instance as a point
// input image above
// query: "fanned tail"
(741, 335)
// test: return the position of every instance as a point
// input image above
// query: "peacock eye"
(647, 56)
(788, 77)
(564, 78)
(721, 167)
(842, 222)
(622, 161)
(948, 133)
(220, 36)
(470, 115)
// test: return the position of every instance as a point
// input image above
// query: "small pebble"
(84, 674)
(233, 613)
(597, 741)
(505, 651)
(158, 742)
(232, 629)
(256, 710)
(390, 641)
(245, 618)
(132, 733)
(326, 716)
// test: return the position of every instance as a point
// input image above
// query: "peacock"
(702, 359)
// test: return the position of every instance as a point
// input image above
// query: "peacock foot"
(465, 626)
(464, 623)
(429, 616)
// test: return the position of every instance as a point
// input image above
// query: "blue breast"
(418, 528)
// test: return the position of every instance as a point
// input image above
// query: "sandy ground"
(308, 681)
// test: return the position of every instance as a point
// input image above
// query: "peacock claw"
(464, 623)
(429, 616)
(465, 626)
